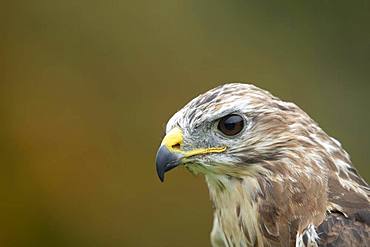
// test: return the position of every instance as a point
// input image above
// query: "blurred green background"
(86, 88)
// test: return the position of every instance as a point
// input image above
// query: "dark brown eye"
(231, 124)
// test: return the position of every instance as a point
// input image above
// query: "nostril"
(176, 146)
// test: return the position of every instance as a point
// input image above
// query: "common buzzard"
(275, 178)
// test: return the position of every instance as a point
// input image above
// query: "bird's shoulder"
(340, 230)
(347, 222)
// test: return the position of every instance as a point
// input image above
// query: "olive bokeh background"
(86, 88)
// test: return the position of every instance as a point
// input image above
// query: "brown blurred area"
(86, 88)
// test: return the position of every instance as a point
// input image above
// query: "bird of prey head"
(275, 178)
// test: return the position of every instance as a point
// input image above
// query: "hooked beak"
(166, 160)
(170, 155)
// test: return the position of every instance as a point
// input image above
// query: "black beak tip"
(160, 173)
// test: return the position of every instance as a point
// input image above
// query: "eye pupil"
(231, 124)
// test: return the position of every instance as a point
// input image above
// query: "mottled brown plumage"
(281, 181)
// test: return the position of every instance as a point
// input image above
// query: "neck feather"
(236, 212)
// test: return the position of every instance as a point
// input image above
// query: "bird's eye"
(231, 124)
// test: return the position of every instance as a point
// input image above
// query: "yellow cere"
(174, 139)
